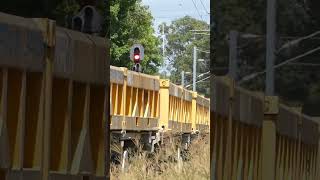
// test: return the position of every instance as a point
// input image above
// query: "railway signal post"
(136, 55)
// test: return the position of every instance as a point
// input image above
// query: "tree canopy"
(295, 18)
(131, 22)
(179, 50)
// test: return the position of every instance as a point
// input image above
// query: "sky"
(169, 10)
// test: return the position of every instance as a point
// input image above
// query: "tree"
(64, 12)
(179, 49)
(29, 8)
(53, 9)
(294, 19)
(132, 23)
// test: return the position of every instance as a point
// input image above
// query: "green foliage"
(294, 19)
(132, 23)
(29, 8)
(179, 49)
(64, 12)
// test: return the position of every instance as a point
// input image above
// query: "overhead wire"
(296, 41)
(199, 81)
(251, 76)
(194, 4)
(204, 7)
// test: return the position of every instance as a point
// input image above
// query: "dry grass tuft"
(163, 165)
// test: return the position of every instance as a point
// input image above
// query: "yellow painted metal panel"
(136, 95)
(97, 128)
(34, 114)
(53, 121)
(59, 125)
(284, 148)
(164, 104)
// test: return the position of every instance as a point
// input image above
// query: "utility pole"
(270, 56)
(182, 78)
(163, 41)
(271, 110)
(233, 54)
(163, 46)
(194, 67)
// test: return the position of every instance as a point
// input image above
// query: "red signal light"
(136, 57)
